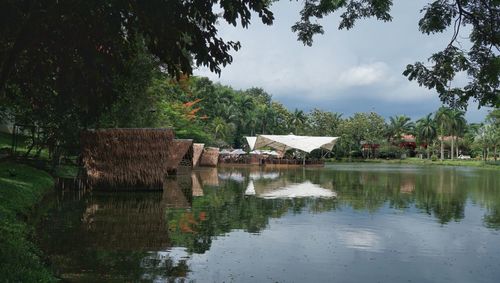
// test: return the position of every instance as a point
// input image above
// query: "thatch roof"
(197, 152)
(128, 157)
(210, 156)
(180, 149)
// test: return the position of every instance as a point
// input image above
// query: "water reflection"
(305, 189)
(133, 236)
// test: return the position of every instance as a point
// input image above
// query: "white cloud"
(363, 75)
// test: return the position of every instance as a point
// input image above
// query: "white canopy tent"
(251, 142)
(286, 142)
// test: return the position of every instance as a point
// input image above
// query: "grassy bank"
(427, 162)
(21, 188)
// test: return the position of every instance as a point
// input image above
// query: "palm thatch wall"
(197, 152)
(128, 157)
(181, 149)
(210, 157)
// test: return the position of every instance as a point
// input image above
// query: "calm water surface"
(341, 223)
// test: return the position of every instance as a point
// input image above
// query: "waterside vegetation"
(22, 187)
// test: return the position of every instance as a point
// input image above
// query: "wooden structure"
(139, 158)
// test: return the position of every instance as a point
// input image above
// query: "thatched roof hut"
(128, 157)
(210, 157)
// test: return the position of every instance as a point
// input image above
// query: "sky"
(345, 71)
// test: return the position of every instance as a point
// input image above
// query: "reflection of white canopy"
(305, 189)
(286, 142)
(261, 175)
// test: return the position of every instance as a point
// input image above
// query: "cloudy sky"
(344, 71)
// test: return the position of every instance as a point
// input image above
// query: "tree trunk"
(442, 148)
(442, 142)
(452, 147)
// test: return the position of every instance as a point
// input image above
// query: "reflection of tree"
(441, 194)
(487, 194)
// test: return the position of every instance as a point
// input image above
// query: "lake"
(340, 223)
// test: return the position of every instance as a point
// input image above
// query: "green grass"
(418, 161)
(64, 171)
(5, 140)
(22, 145)
(21, 188)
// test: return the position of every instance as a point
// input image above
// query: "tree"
(493, 119)
(398, 126)
(426, 130)
(443, 120)
(361, 127)
(64, 63)
(457, 126)
(481, 61)
(178, 33)
(323, 123)
(298, 119)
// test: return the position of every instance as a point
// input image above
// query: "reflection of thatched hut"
(210, 156)
(118, 222)
(127, 157)
(197, 151)
(177, 193)
(197, 189)
(209, 176)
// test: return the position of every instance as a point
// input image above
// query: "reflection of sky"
(350, 246)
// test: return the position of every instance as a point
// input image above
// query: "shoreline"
(22, 189)
(425, 162)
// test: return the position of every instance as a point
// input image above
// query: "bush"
(434, 157)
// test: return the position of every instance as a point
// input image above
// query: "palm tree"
(220, 128)
(298, 119)
(426, 130)
(399, 125)
(457, 126)
(443, 121)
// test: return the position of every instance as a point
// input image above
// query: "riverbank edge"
(423, 162)
(21, 188)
